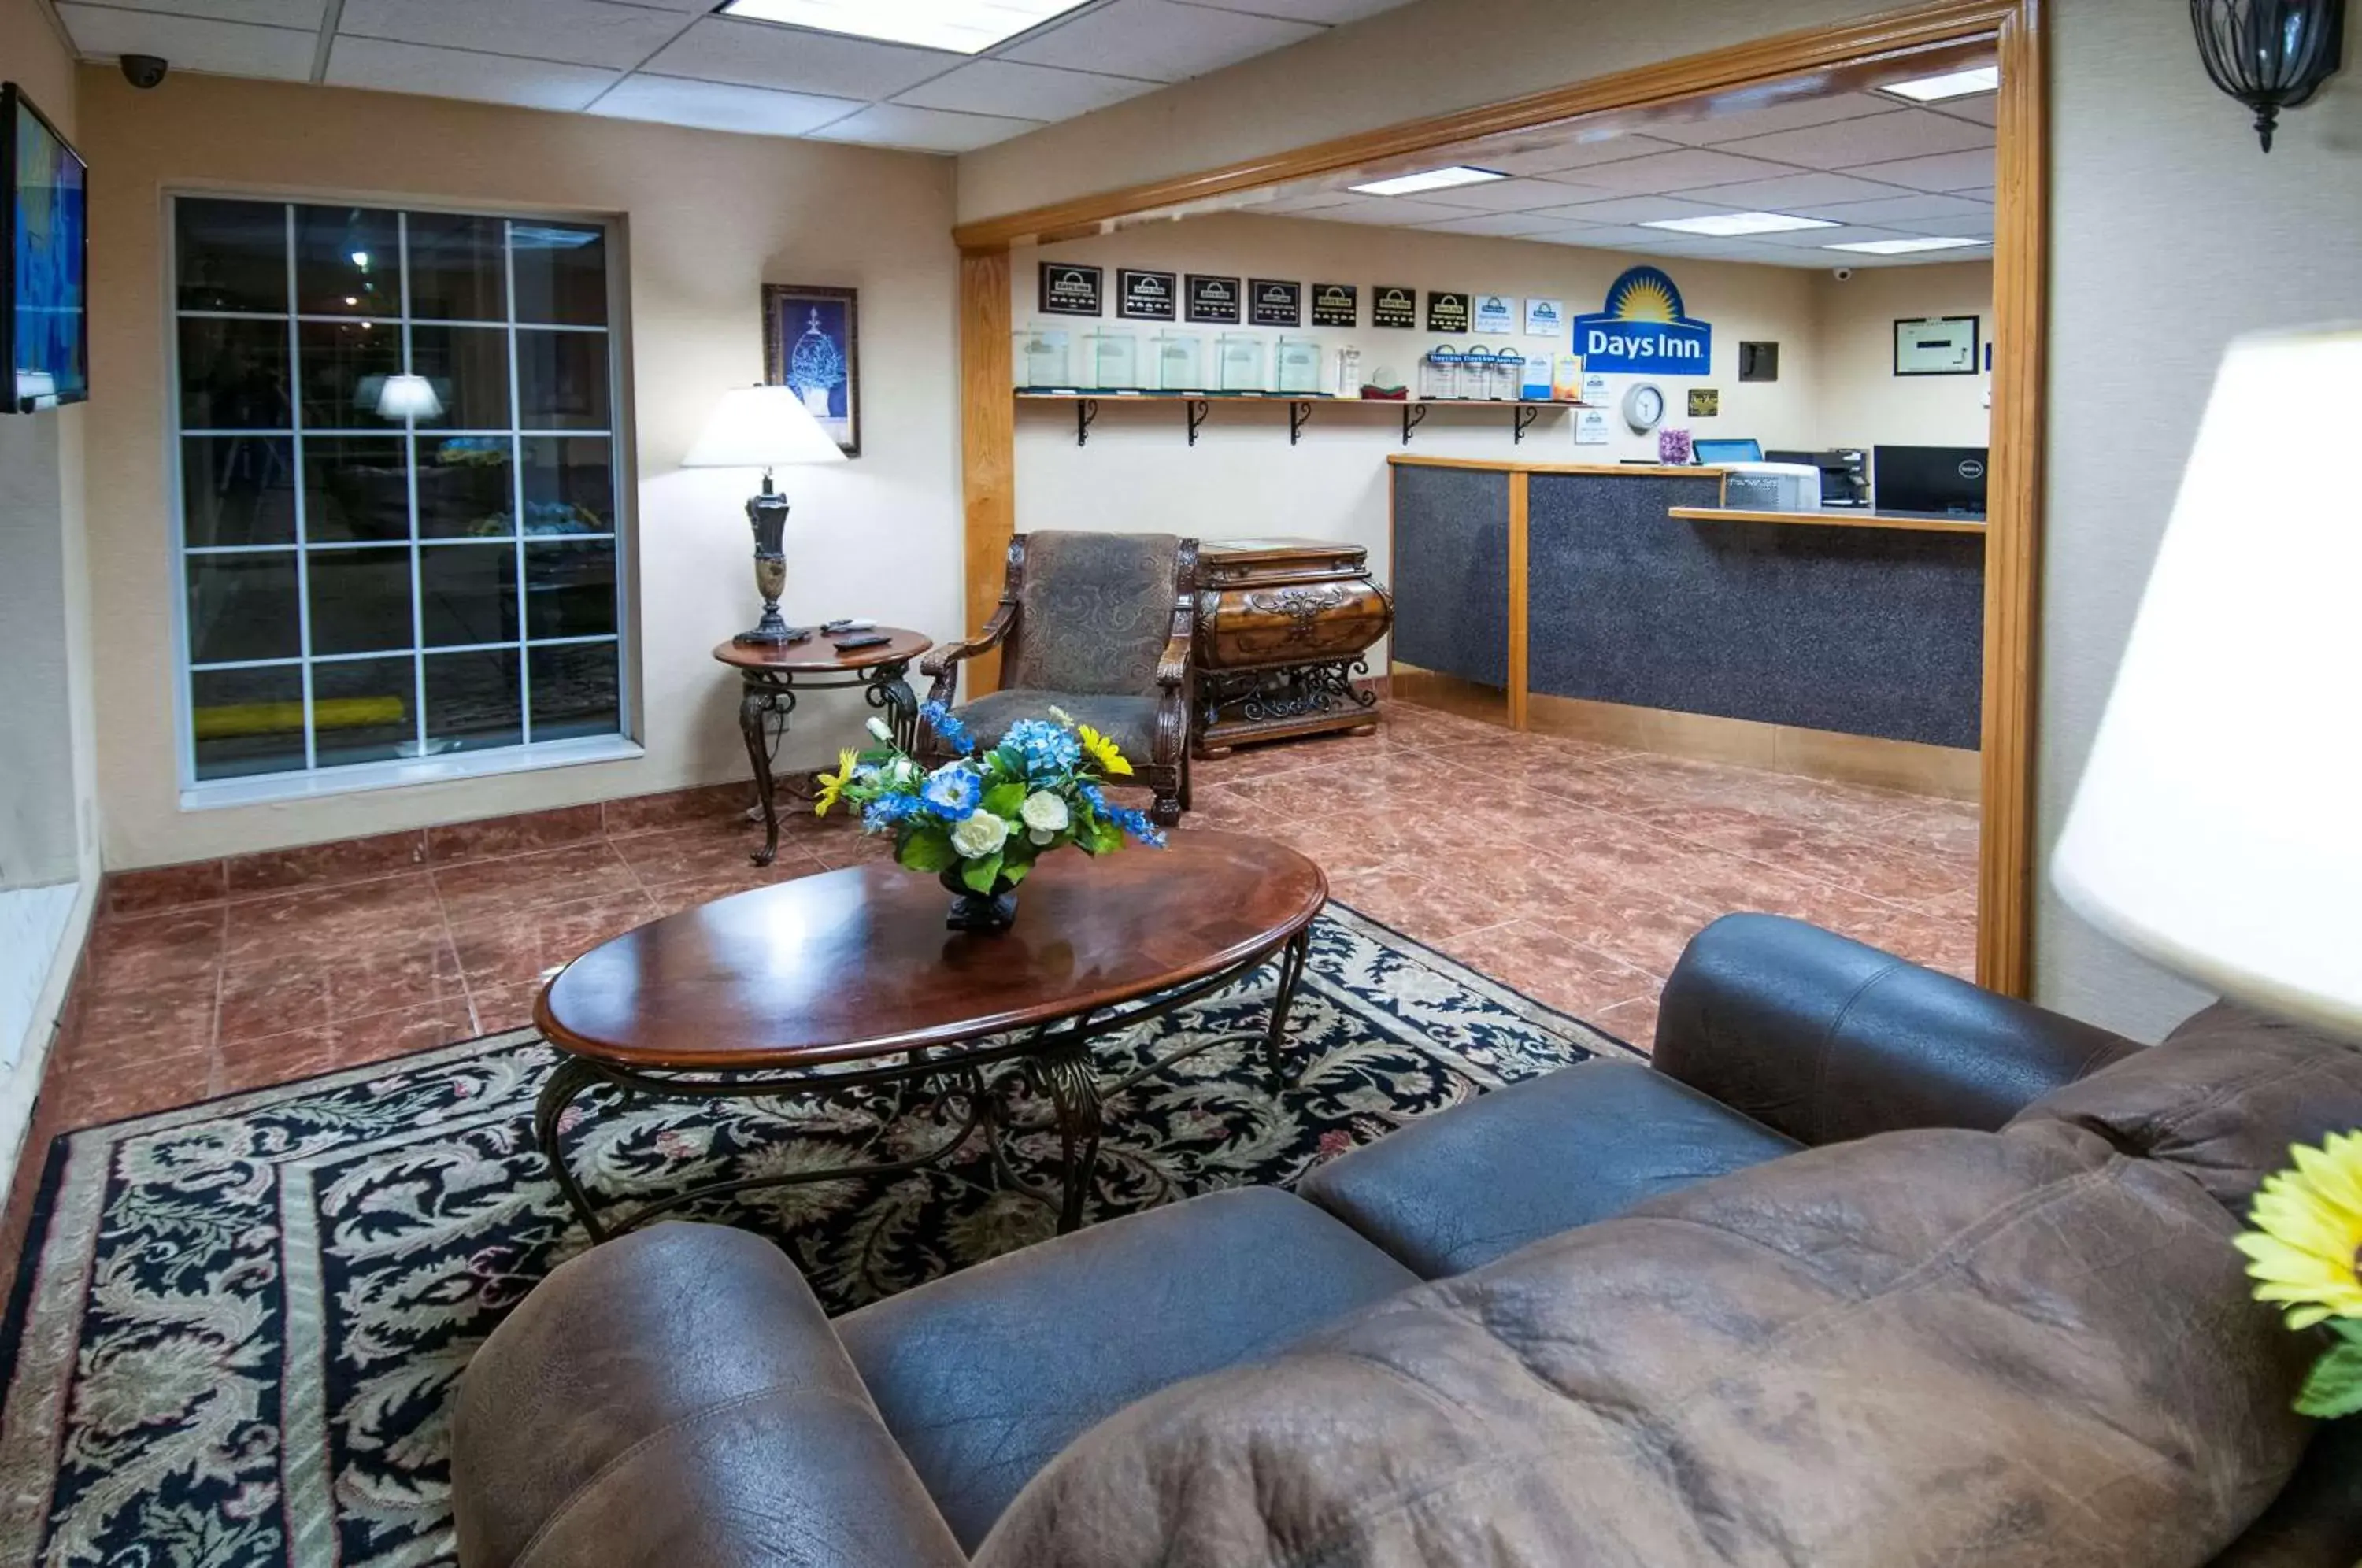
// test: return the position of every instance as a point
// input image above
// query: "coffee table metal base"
(1055, 1059)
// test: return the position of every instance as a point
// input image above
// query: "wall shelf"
(1196, 405)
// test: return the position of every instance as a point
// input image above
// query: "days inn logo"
(1643, 330)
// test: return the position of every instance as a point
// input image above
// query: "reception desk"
(1625, 603)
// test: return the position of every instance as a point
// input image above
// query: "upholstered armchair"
(1099, 625)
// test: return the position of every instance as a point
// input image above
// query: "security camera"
(1842, 274)
(145, 70)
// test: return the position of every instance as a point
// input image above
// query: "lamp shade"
(2218, 825)
(761, 428)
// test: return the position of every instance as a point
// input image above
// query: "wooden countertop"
(1838, 518)
(1512, 466)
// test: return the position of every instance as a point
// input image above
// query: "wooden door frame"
(2012, 29)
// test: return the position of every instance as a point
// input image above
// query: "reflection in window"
(399, 484)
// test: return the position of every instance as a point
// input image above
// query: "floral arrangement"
(2303, 1250)
(986, 816)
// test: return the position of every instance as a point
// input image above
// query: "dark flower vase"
(988, 913)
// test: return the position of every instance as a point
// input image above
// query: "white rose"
(981, 835)
(877, 727)
(1044, 814)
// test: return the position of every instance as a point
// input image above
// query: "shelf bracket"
(1086, 409)
(1297, 413)
(1414, 415)
(1196, 410)
(1522, 419)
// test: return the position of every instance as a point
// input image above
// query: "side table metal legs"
(766, 693)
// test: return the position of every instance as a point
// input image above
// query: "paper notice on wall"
(1594, 388)
(1591, 427)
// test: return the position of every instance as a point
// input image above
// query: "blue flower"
(1135, 821)
(952, 733)
(951, 792)
(1043, 747)
(1092, 796)
(888, 811)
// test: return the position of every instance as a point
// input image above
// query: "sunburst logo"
(1644, 328)
(1644, 294)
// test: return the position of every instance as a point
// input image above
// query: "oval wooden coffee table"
(849, 981)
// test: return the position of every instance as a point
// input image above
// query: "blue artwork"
(814, 348)
(47, 217)
(1644, 331)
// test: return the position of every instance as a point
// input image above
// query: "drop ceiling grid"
(674, 61)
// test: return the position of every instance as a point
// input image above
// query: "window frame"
(313, 779)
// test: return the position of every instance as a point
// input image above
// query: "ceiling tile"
(1790, 191)
(1552, 158)
(1396, 211)
(226, 48)
(575, 32)
(1900, 209)
(1685, 170)
(720, 105)
(1813, 239)
(1308, 201)
(1510, 196)
(1503, 225)
(1906, 133)
(923, 130)
(1979, 109)
(1026, 92)
(264, 13)
(1945, 172)
(1737, 120)
(1158, 39)
(1974, 193)
(1328, 11)
(1630, 209)
(459, 73)
(755, 54)
(1951, 228)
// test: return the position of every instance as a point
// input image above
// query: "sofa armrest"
(677, 1396)
(1826, 1039)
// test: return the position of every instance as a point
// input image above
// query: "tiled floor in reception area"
(1574, 872)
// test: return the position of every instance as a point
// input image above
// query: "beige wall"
(2173, 232)
(710, 219)
(1863, 401)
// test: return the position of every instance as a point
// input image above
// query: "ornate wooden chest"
(1281, 628)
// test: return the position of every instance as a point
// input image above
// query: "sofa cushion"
(983, 1374)
(1453, 1191)
(2027, 1348)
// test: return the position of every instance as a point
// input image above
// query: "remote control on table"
(834, 627)
(848, 645)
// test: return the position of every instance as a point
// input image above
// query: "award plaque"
(1275, 304)
(1069, 288)
(1213, 300)
(1336, 305)
(1446, 312)
(1146, 296)
(1391, 306)
(1495, 313)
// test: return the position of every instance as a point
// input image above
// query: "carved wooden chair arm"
(942, 664)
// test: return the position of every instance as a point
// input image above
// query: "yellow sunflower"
(831, 785)
(2309, 1232)
(1102, 751)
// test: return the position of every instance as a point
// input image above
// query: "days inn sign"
(1643, 330)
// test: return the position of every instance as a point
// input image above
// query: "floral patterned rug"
(236, 1334)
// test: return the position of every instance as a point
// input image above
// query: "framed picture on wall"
(1937, 346)
(811, 341)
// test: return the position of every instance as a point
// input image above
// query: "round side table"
(769, 678)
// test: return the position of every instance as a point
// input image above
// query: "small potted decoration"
(981, 819)
(2305, 1252)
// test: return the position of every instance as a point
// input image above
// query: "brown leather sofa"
(1873, 1267)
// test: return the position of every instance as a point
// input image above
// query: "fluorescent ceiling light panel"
(1723, 226)
(963, 26)
(1904, 247)
(1954, 84)
(1428, 179)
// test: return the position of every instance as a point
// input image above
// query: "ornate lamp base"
(767, 515)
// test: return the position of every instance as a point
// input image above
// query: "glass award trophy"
(1114, 358)
(1181, 362)
(1045, 359)
(1242, 361)
(1299, 366)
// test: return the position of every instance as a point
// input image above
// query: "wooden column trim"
(2014, 507)
(987, 443)
(1520, 495)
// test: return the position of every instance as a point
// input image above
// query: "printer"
(1770, 487)
(1845, 474)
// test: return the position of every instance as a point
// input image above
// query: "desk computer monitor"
(1713, 452)
(1947, 480)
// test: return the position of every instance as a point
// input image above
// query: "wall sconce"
(2269, 54)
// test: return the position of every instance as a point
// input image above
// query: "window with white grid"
(400, 486)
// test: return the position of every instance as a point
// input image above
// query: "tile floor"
(1575, 872)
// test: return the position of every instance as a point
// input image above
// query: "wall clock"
(1644, 405)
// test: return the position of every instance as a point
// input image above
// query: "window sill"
(218, 793)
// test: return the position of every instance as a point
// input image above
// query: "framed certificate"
(1935, 345)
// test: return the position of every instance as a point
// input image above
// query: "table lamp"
(762, 428)
(2218, 826)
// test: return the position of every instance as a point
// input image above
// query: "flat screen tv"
(44, 260)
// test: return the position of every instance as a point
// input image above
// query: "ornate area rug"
(236, 1334)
